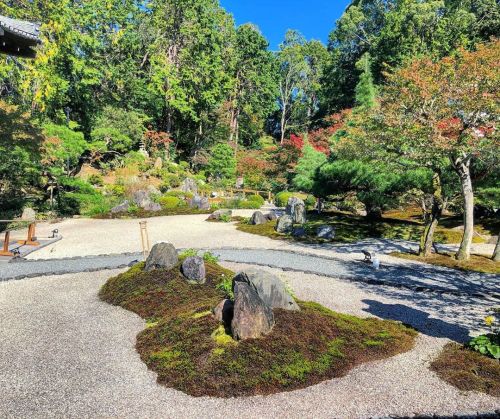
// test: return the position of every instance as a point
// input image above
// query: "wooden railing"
(231, 192)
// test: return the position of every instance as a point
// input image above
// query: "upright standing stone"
(29, 214)
(189, 185)
(200, 203)
(162, 256)
(252, 317)
(297, 210)
(285, 224)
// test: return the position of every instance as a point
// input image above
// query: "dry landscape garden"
(195, 222)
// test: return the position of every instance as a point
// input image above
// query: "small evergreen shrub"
(169, 202)
(96, 180)
(282, 198)
(256, 198)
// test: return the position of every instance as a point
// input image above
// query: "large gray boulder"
(216, 215)
(325, 232)
(269, 288)
(258, 218)
(29, 214)
(189, 185)
(193, 268)
(297, 210)
(152, 207)
(285, 224)
(141, 198)
(162, 256)
(123, 207)
(252, 317)
(200, 203)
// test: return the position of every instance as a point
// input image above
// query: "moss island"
(194, 353)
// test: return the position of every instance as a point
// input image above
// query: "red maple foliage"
(320, 138)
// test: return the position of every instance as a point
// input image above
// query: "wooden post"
(144, 238)
(31, 240)
(269, 196)
(5, 251)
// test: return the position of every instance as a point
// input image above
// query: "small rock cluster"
(292, 222)
(143, 199)
(217, 215)
(258, 218)
(256, 294)
(164, 256)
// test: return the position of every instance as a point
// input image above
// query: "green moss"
(476, 263)
(221, 338)
(202, 314)
(468, 370)
(351, 228)
(190, 351)
(370, 342)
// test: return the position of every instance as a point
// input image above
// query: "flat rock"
(123, 207)
(252, 317)
(258, 218)
(269, 288)
(152, 207)
(162, 256)
(193, 268)
(285, 224)
(216, 215)
(325, 232)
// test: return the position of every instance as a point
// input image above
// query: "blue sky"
(314, 18)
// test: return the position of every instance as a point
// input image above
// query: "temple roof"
(17, 37)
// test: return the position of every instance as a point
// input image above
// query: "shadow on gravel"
(418, 319)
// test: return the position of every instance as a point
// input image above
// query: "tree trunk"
(496, 253)
(463, 170)
(438, 206)
(283, 124)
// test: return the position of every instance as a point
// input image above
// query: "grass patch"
(351, 228)
(476, 263)
(190, 351)
(468, 370)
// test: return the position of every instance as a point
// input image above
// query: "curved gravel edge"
(27, 269)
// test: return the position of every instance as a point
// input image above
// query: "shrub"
(310, 201)
(256, 198)
(96, 180)
(282, 198)
(169, 202)
(249, 205)
(225, 218)
(210, 257)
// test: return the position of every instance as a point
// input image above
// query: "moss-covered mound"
(190, 351)
(468, 370)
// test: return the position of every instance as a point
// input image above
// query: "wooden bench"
(30, 240)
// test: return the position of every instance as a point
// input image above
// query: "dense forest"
(400, 107)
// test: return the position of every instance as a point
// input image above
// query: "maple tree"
(444, 113)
